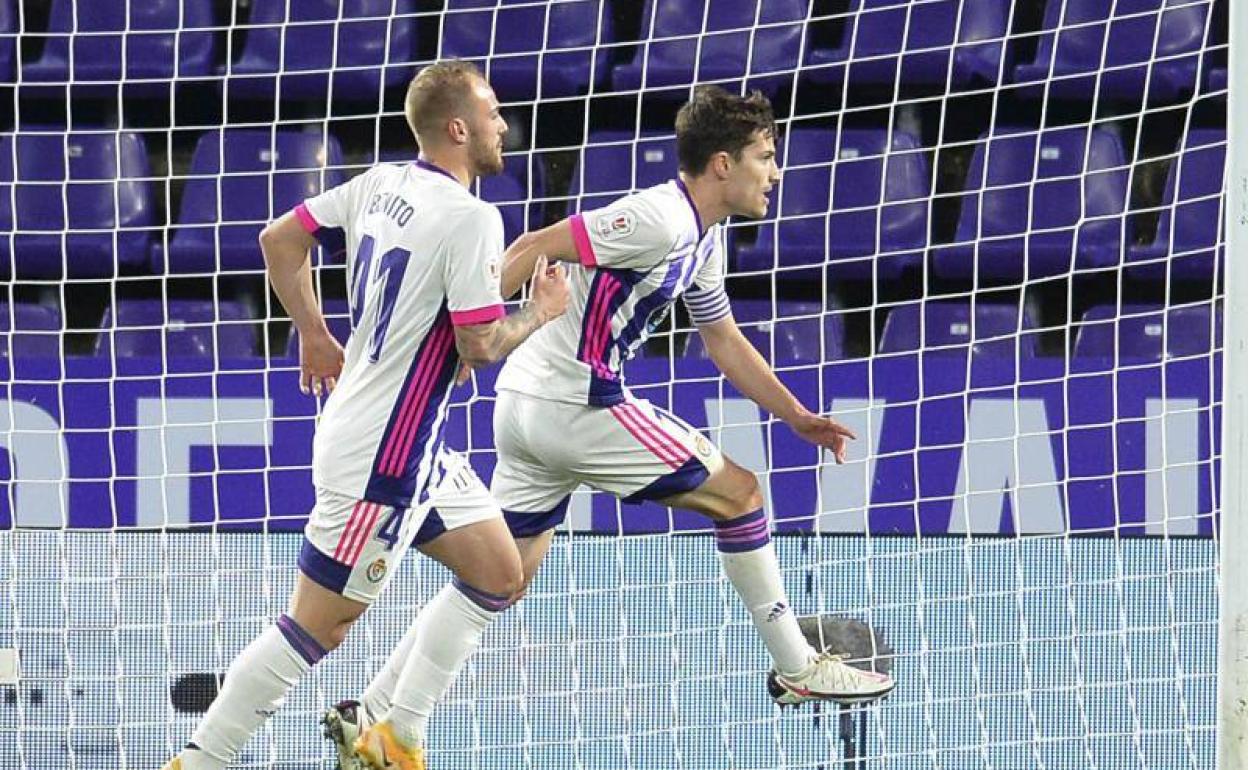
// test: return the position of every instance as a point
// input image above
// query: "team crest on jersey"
(620, 225)
(376, 571)
(702, 445)
(491, 269)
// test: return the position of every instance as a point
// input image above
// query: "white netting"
(995, 254)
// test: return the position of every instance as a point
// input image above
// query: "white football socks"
(749, 561)
(255, 686)
(447, 631)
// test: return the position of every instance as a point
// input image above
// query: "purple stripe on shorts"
(308, 648)
(746, 533)
(486, 601)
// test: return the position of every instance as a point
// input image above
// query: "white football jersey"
(422, 256)
(637, 256)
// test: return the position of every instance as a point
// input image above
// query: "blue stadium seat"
(28, 329)
(1188, 227)
(684, 41)
(108, 40)
(1217, 80)
(555, 49)
(337, 317)
(949, 324)
(375, 45)
(197, 328)
(615, 163)
(8, 39)
(1111, 47)
(1147, 332)
(1035, 196)
(265, 175)
(795, 328)
(920, 35)
(847, 201)
(83, 202)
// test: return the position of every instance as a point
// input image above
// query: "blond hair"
(437, 94)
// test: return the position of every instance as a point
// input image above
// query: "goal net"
(995, 253)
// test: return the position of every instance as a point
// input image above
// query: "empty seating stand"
(145, 44)
(1113, 49)
(29, 330)
(615, 163)
(78, 205)
(1186, 246)
(785, 332)
(8, 39)
(1148, 332)
(1039, 204)
(725, 41)
(532, 50)
(241, 179)
(366, 44)
(856, 202)
(988, 328)
(178, 328)
(916, 42)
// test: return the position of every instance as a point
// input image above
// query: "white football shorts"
(633, 450)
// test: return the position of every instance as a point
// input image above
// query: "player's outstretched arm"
(487, 343)
(554, 242)
(750, 373)
(285, 245)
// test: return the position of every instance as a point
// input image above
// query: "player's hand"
(825, 432)
(549, 289)
(320, 363)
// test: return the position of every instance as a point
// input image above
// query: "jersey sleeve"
(706, 299)
(327, 215)
(633, 232)
(474, 250)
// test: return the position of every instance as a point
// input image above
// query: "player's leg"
(348, 548)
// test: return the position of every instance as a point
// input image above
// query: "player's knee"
(504, 577)
(337, 635)
(746, 496)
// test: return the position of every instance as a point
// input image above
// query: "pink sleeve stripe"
(306, 219)
(580, 236)
(479, 315)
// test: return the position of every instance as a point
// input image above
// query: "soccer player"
(636, 257)
(423, 256)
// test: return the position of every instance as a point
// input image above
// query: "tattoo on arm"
(514, 329)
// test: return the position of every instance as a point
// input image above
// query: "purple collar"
(696, 217)
(427, 166)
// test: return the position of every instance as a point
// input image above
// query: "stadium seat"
(615, 163)
(800, 331)
(703, 41)
(375, 44)
(1188, 227)
(82, 201)
(108, 40)
(8, 39)
(1035, 195)
(846, 200)
(1217, 80)
(1112, 48)
(993, 330)
(265, 175)
(337, 317)
(555, 49)
(152, 327)
(921, 36)
(1144, 332)
(28, 329)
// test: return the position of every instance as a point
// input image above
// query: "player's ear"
(720, 164)
(457, 129)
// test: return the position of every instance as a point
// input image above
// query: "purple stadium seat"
(337, 318)
(108, 40)
(949, 324)
(27, 329)
(555, 49)
(615, 163)
(150, 327)
(95, 185)
(266, 174)
(375, 43)
(1217, 80)
(921, 35)
(1110, 48)
(687, 41)
(1033, 197)
(1145, 331)
(800, 331)
(8, 39)
(847, 200)
(1190, 230)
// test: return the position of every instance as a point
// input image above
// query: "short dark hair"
(717, 121)
(437, 94)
